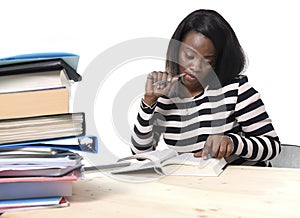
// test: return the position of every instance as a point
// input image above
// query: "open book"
(169, 162)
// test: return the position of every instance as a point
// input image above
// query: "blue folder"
(80, 143)
(69, 58)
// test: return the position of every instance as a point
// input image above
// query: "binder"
(81, 143)
(39, 128)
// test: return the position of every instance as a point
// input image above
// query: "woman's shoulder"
(240, 82)
(235, 83)
(234, 87)
(240, 79)
(243, 86)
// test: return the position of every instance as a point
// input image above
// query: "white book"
(169, 162)
(34, 81)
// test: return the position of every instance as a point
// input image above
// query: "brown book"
(34, 103)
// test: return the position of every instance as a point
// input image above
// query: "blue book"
(29, 202)
(69, 58)
(33, 204)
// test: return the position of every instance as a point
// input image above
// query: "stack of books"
(39, 135)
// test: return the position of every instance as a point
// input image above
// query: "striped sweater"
(236, 110)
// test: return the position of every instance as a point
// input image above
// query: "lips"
(189, 76)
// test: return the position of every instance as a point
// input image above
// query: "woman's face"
(197, 57)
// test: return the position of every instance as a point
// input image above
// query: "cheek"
(183, 64)
(181, 68)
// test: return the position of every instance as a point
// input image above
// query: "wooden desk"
(237, 192)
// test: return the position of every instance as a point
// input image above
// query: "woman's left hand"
(217, 146)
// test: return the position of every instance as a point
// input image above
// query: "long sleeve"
(145, 135)
(257, 139)
(235, 110)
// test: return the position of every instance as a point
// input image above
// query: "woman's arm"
(146, 134)
(258, 140)
(255, 139)
(144, 137)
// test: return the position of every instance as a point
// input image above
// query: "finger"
(175, 79)
(154, 75)
(158, 80)
(222, 148)
(170, 81)
(163, 79)
(215, 146)
(159, 76)
(229, 147)
(164, 76)
(149, 82)
(198, 154)
(206, 152)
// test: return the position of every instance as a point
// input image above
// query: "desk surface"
(237, 192)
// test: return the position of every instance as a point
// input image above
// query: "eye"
(189, 56)
(208, 62)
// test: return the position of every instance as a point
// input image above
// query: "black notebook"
(40, 66)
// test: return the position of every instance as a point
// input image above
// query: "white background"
(267, 31)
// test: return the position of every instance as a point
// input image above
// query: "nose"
(200, 65)
(196, 65)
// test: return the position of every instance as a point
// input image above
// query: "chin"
(195, 83)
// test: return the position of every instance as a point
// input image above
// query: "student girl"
(203, 103)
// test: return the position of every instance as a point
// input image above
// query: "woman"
(202, 103)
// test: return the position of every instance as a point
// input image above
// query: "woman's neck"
(196, 93)
(187, 92)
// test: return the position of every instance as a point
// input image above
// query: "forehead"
(199, 43)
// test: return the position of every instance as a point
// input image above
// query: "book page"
(152, 160)
(32, 81)
(155, 156)
(190, 166)
(186, 159)
(174, 164)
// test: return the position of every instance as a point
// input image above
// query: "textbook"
(32, 203)
(35, 187)
(42, 127)
(35, 88)
(169, 162)
(34, 81)
(34, 103)
(40, 66)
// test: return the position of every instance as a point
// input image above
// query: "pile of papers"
(36, 175)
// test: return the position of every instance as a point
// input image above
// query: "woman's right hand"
(152, 91)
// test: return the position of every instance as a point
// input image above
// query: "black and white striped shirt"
(236, 110)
